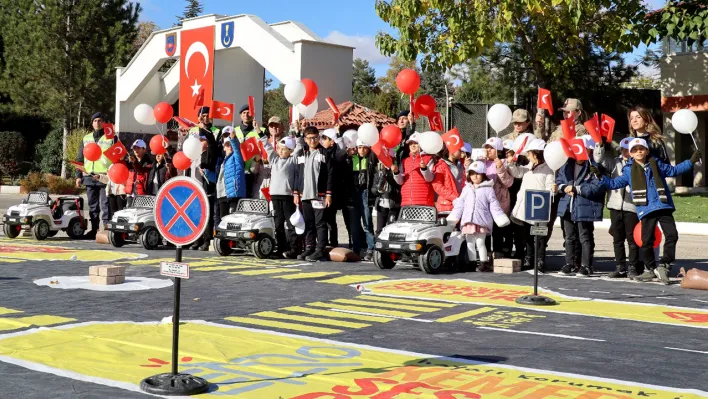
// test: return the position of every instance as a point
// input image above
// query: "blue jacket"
(586, 204)
(234, 172)
(653, 201)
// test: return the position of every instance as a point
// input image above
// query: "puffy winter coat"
(234, 172)
(653, 201)
(479, 205)
(163, 172)
(501, 185)
(620, 199)
(416, 187)
(445, 186)
(657, 148)
(586, 204)
(138, 176)
(536, 177)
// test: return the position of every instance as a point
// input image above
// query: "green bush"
(55, 184)
(12, 152)
(48, 154)
(32, 182)
(73, 142)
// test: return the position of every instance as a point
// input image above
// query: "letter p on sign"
(538, 206)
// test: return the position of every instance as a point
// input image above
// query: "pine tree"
(194, 8)
(60, 56)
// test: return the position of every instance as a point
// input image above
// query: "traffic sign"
(174, 269)
(538, 206)
(181, 210)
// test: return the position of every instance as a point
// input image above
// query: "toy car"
(45, 218)
(250, 227)
(419, 237)
(136, 223)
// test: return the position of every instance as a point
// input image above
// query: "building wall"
(330, 66)
(237, 76)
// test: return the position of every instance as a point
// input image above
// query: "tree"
(363, 81)
(12, 151)
(435, 83)
(388, 82)
(194, 8)
(553, 33)
(61, 56)
(680, 20)
(145, 29)
(274, 103)
(481, 83)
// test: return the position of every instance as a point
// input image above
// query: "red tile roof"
(350, 113)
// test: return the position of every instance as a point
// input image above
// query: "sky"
(353, 23)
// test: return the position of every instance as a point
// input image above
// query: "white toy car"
(251, 227)
(419, 237)
(45, 218)
(135, 223)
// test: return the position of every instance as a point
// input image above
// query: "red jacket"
(138, 176)
(445, 186)
(415, 190)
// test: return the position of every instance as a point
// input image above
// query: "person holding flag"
(248, 128)
(573, 112)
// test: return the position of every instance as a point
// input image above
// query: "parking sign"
(538, 206)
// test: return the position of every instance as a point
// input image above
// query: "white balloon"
(192, 148)
(295, 92)
(350, 137)
(684, 121)
(499, 117)
(368, 134)
(554, 155)
(307, 111)
(431, 142)
(144, 114)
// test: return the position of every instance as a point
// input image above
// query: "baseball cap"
(415, 137)
(138, 143)
(589, 142)
(477, 167)
(331, 133)
(494, 142)
(572, 104)
(625, 143)
(360, 143)
(637, 142)
(227, 130)
(521, 115)
(274, 119)
(508, 144)
(227, 141)
(467, 148)
(288, 142)
(535, 144)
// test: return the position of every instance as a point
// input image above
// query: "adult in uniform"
(572, 109)
(95, 190)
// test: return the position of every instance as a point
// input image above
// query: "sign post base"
(169, 384)
(536, 300)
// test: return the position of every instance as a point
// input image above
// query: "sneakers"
(290, 255)
(91, 235)
(528, 264)
(304, 255)
(662, 273)
(632, 272)
(369, 256)
(647, 276)
(583, 272)
(205, 246)
(315, 257)
(566, 270)
(620, 272)
(485, 267)
(541, 267)
(195, 245)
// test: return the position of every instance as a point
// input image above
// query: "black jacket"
(163, 171)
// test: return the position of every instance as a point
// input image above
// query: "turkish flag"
(566, 148)
(334, 108)
(545, 101)
(266, 193)
(116, 152)
(607, 127)
(412, 99)
(221, 110)
(252, 106)
(453, 140)
(436, 122)
(593, 130)
(261, 148)
(249, 149)
(196, 70)
(184, 122)
(109, 131)
(382, 154)
(568, 126)
(577, 146)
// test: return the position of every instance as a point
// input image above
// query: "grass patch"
(692, 208)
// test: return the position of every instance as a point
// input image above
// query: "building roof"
(350, 113)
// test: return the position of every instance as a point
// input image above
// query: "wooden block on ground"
(104, 280)
(506, 270)
(119, 279)
(93, 270)
(515, 263)
(110, 270)
(102, 237)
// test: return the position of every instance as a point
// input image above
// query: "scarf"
(639, 183)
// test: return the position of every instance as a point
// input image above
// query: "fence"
(471, 120)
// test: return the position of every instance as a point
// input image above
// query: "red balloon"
(159, 144)
(118, 173)
(638, 235)
(391, 136)
(425, 105)
(163, 112)
(408, 81)
(310, 91)
(180, 161)
(92, 152)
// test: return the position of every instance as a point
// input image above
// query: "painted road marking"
(544, 334)
(9, 324)
(393, 317)
(8, 311)
(308, 319)
(382, 305)
(364, 310)
(336, 314)
(686, 350)
(354, 279)
(35, 252)
(601, 292)
(698, 300)
(300, 276)
(406, 301)
(259, 272)
(284, 325)
(464, 315)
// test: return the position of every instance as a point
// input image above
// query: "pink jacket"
(479, 206)
(502, 182)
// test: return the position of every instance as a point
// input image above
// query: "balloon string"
(696, 144)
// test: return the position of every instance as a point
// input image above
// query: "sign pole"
(175, 314)
(535, 265)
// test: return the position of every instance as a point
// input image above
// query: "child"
(449, 176)
(139, 166)
(478, 210)
(160, 172)
(501, 240)
(580, 205)
(315, 179)
(415, 175)
(362, 166)
(283, 180)
(646, 178)
(535, 176)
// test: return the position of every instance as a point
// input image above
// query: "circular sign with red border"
(181, 210)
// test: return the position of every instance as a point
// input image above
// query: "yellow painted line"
(6, 260)
(406, 301)
(7, 323)
(387, 305)
(9, 311)
(346, 280)
(298, 276)
(283, 325)
(383, 312)
(220, 268)
(205, 263)
(341, 315)
(313, 320)
(464, 315)
(264, 271)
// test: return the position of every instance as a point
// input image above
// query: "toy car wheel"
(150, 238)
(222, 247)
(263, 247)
(75, 230)
(432, 260)
(383, 260)
(11, 231)
(40, 230)
(116, 239)
(462, 262)
(52, 233)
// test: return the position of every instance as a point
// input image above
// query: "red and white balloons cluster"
(302, 94)
(147, 115)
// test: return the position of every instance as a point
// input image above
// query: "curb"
(691, 229)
